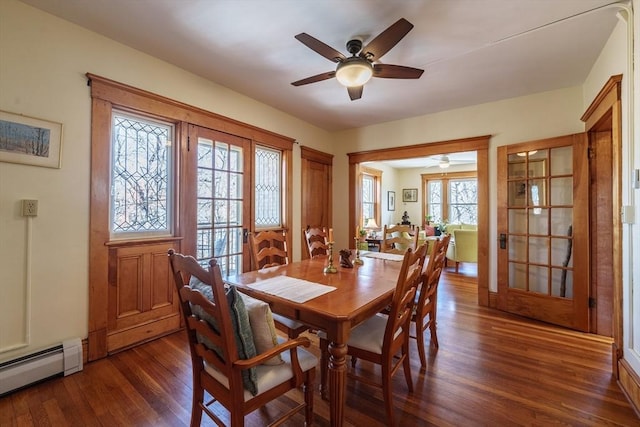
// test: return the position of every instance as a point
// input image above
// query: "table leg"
(337, 382)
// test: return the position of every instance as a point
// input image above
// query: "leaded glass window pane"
(140, 176)
(268, 188)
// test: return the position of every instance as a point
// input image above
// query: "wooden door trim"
(605, 113)
(480, 144)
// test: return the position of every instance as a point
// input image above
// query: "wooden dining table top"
(360, 292)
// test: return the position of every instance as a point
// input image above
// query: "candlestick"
(330, 268)
(357, 260)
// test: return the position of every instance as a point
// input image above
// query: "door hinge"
(188, 143)
(591, 154)
(592, 302)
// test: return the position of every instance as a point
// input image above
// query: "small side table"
(374, 243)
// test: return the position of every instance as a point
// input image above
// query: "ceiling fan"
(356, 70)
(446, 160)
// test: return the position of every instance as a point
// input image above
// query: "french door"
(543, 230)
(223, 198)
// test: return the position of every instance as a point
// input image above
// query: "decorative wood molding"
(131, 97)
(315, 155)
(421, 150)
(608, 95)
(629, 382)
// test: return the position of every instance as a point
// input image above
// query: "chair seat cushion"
(269, 376)
(369, 335)
(241, 328)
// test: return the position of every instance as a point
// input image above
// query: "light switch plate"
(628, 215)
(29, 207)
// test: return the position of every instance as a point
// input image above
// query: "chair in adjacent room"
(315, 239)
(463, 246)
(396, 239)
(384, 339)
(424, 312)
(223, 362)
(269, 249)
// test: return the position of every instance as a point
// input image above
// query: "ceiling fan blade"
(387, 71)
(386, 40)
(316, 78)
(355, 92)
(316, 45)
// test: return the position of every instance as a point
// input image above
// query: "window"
(141, 197)
(268, 188)
(370, 195)
(463, 201)
(453, 198)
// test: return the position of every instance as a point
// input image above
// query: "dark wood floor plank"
(492, 368)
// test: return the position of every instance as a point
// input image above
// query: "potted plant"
(441, 227)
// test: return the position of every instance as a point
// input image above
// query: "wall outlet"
(29, 207)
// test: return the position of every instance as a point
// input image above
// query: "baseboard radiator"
(64, 359)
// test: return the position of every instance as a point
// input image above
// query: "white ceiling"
(472, 51)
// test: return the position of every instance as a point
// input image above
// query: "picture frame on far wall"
(409, 194)
(30, 141)
(391, 200)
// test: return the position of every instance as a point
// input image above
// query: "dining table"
(331, 302)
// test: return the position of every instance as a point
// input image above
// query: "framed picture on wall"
(391, 200)
(29, 141)
(409, 194)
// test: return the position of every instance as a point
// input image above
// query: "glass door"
(543, 230)
(223, 200)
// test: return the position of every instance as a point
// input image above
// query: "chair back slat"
(316, 240)
(268, 248)
(397, 239)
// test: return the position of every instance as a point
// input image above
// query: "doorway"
(481, 146)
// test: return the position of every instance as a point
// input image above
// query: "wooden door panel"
(539, 195)
(142, 302)
(163, 288)
(316, 190)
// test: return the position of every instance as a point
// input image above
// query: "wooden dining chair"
(235, 377)
(269, 249)
(382, 339)
(315, 239)
(396, 239)
(424, 312)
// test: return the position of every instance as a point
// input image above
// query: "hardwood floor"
(491, 369)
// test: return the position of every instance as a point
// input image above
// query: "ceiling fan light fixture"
(444, 162)
(354, 72)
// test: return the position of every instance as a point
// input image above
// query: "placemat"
(296, 290)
